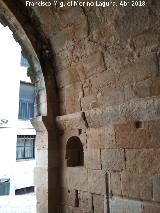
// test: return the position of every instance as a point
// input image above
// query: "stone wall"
(109, 71)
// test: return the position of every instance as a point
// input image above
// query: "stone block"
(58, 41)
(118, 205)
(41, 140)
(69, 16)
(66, 209)
(110, 137)
(89, 102)
(68, 197)
(156, 188)
(142, 89)
(67, 76)
(92, 159)
(71, 121)
(140, 70)
(137, 90)
(154, 127)
(85, 201)
(77, 210)
(113, 159)
(110, 96)
(94, 64)
(72, 97)
(95, 138)
(136, 186)
(132, 135)
(145, 161)
(151, 208)
(40, 176)
(141, 110)
(99, 83)
(78, 32)
(42, 206)
(77, 178)
(97, 182)
(42, 158)
(42, 197)
(155, 89)
(115, 183)
(98, 203)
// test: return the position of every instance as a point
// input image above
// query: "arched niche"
(74, 152)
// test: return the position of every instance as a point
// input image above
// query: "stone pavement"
(18, 204)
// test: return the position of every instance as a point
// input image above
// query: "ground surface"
(18, 204)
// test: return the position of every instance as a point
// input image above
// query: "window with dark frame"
(26, 101)
(25, 148)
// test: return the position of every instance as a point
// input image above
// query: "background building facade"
(17, 136)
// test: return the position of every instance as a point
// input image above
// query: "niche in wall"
(74, 152)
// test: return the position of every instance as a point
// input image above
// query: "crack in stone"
(85, 120)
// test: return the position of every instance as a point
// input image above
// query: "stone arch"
(38, 53)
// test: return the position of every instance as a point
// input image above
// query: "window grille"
(25, 147)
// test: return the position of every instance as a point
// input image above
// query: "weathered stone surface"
(155, 89)
(96, 182)
(154, 133)
(137, 110)
(77, 178)
(140, 89)
(68, 197)
(43, 173)
(94, 64)
(110, 137)
(110, 96)
(145, 161)
(115, 183)
(41, 138)
(72, 97)
(149, 208)
(113, 159)
(129, 135)
(118, 205)
(95, 138)
(66, 209)
(98, 203)
(139, 70)
(99, 83)
(156, 188)
(92, 159)
(85, 201)
(136, 186)
(42, 158)
(89, 102)
(67, 77)
(71, 121)
(77, 210)
(68, 16)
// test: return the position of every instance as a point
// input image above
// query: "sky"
(10, 54)
(8, 48)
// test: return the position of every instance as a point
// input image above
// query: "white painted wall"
(20, 173)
